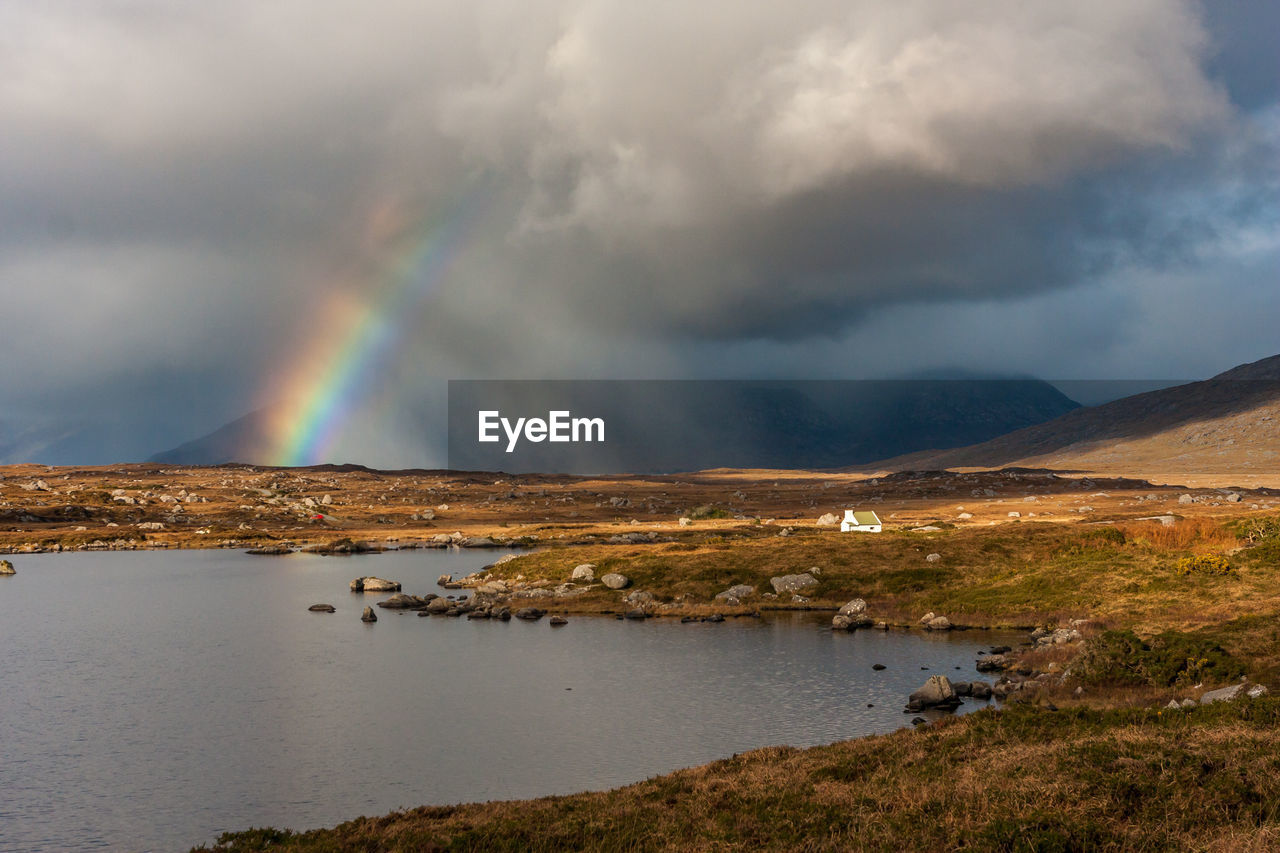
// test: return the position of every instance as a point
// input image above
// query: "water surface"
(150, 700)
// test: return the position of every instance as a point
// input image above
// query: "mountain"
(688, 425)
(667, 426)
(1223, 427)
(245, 439)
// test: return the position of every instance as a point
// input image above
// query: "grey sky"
(1071, 190)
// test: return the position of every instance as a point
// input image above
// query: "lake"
(150, 700)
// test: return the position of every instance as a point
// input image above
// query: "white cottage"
(865, 521)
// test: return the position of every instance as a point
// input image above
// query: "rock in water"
(936, 693)
(559, 620)
(372, 584)
(613, 580)
(6, 568)
(368, 615)
(322, 608)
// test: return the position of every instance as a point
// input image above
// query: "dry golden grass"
(1021, 779)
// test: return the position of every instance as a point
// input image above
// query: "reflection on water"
(155, 699)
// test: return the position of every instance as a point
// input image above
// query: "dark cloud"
(665, 190)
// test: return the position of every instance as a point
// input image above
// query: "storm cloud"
(654, 190)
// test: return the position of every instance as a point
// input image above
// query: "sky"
(330, 207)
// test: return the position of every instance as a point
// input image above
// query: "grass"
(1018, 779)
(1012, 575)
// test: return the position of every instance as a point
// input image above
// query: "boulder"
(793, 583)
(684, 521)
(1235, 691)
(853, 608)
(935, 693)
(638, 598)
(6, 568)
(613, 580)
(438, 605)
(585, 572)
(636, 614)
(368, 615)
(993, 663)
(372, 584)
(979, 690)
(559, 620)
(933, 558)
(530, 614)
(404, 601)
(829, 519)
(322, 608)
(938, 623)
(733, 595)
(714, 617)
(444, 580)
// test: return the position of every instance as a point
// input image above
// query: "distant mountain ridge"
(1228, 424)
(246, 439)
(687, 425)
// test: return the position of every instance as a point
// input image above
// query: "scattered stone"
(965, 516)
(685, 522)
(270, 551)
(1015, 515)
(919, 721)
(585, 572)
(793, 583)
(613, 580)
(938, 623)
(1188, 703)
(369, 583)
(1233, 497)
(1185, 499)
(322, 608)
(933, 558)
(368, 615)
(829, 519)
(1058, 637)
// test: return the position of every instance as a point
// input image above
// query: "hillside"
(1222, 430)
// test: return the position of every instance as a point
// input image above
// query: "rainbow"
(311, 400)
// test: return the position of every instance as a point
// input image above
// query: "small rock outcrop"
(793, 583)
(1235, 691)
(734, 595)
(368, 615)
(937, 692)
(613, 580)
(828, 519)
(372, 584)
(322, 608)
(933, 622)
